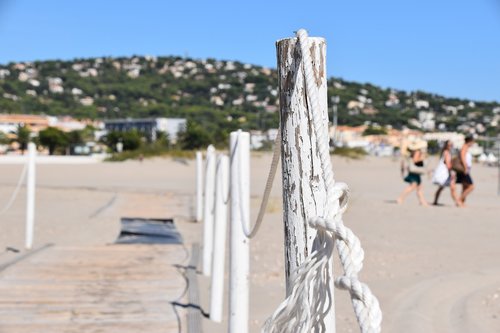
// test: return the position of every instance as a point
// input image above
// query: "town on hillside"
(100, 105)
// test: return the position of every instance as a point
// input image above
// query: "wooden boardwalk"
(115, 288)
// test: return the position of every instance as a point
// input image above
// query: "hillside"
(216, 93)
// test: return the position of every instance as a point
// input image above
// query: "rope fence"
(309, 302)
(28, 175)
(20, 182)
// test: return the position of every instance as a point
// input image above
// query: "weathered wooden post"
(30, 195)
(199, 186)
(208, 211)
(304, 192)
(220, 227)
(239, 243)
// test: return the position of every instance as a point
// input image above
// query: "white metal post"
(240, 213)
(30, 195)
(208, 211)
(220, 227)
(199, 186)
(304, 191)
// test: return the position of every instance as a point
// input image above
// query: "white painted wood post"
(240, 213)
(199, 186)
(208, 211)
(304, 192)
(220, 228)
(30, 195)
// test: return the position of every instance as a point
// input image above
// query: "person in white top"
(465, 178)
(448, 178)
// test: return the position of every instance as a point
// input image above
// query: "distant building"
(55, 85)
(10, 122)
(421, 104)
(427, 120)
(149, 126)
(457, 139)
(259, 138)
(37, 123)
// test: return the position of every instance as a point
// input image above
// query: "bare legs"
(420, 196)
(453, 191)
(407, 190)
(436, 196)
(466, 190)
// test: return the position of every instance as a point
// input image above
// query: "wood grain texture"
(304, 192)
(116, 288)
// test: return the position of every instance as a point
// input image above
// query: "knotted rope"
(305, 309)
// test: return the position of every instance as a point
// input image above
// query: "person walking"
(464, 168)
(443, 175)
(415, 170)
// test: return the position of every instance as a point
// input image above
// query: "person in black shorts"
(465, 178)
(415, 171)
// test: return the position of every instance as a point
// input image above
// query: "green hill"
(215, 93)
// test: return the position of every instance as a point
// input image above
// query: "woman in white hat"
(415, 170)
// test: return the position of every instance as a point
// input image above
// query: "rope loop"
(267, 191)
(305, 309)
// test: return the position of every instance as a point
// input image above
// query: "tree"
(75, 137)
(131, 140)
(163, 139)
(3, 139)
(195, 136)
(23, 135)
(374, 131)
(53, 138)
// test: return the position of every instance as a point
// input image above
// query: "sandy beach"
(434, 269)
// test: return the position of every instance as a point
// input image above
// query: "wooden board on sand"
(115, 288)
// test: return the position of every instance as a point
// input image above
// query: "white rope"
(13, 197)
(267, 191)
(310, 300)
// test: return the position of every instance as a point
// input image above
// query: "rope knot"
(304, 308)
(366, 305)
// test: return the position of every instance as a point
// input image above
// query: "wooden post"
(220, 227)
(240, 213)
(199, 186)
(208, 211)
(304, 192)
(30, 195)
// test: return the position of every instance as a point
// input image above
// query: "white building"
(149, 126)
(421, 104)
(55, 85)
(427, 120)
(87, 101)
(456, 139)
(259, 138)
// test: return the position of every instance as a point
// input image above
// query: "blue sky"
(449, 47)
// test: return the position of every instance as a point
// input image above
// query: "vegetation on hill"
(220, 96)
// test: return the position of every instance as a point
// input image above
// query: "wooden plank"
(116, 288)
(23, 256)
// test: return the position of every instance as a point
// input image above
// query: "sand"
(434, 269)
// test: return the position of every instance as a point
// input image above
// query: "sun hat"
(417, 145)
